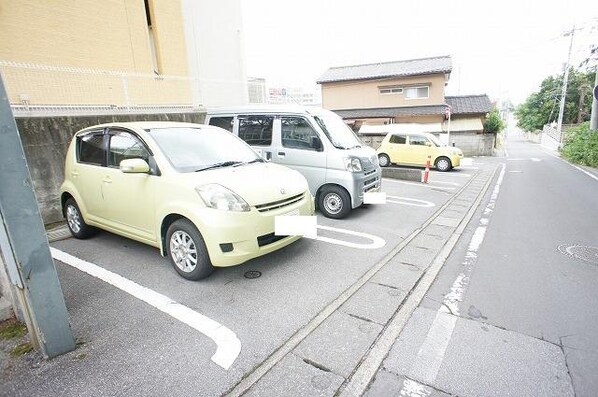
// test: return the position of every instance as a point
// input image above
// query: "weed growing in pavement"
(12, 329)
(21, 349)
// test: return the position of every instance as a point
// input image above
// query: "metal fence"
(44, 90)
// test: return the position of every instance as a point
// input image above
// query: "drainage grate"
(59, 233)
(581, 252)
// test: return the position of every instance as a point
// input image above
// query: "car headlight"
(353, 164)
(220, 198)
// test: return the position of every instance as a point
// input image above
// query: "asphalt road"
(494, 299)
(128, 347)
(513, 311)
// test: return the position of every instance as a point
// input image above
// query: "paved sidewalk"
(343, 352)
(341, 349)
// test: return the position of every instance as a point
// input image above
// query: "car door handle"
(281, 154)
(74, 174)
(107, 180)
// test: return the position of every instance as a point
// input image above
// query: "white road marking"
(573, 165)
(446, 183)
(376, 242)
(431, 354)
(413, 389)
(417, 184)
(535, 159)
(516, 172)
(409, 201)
(228, 346)
(466, 161)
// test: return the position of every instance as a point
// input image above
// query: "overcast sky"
(503, 48)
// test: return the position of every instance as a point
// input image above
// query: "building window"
(152, 37)
(390, 90)
(421, 92)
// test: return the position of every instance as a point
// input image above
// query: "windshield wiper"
(248, 162)
(218, 165)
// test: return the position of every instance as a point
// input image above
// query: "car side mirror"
(428, 143)
(134, 166)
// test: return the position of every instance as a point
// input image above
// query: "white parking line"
(431, 353)
(409, 201)
(376, 242)
(228, 346)
(417, 184)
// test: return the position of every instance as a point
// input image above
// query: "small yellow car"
(414, 149)
(198, 193)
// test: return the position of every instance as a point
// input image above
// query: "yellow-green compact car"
(198, 193)
(414, 149)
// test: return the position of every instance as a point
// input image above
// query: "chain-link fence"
(43, 90)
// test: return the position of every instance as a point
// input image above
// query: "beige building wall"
(366, 94)
(65, 52)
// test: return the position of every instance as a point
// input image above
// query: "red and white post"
(427, 171)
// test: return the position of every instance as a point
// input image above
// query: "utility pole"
(559, 125)
(594, 118)
(24, 245)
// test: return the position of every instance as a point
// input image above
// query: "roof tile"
(441, 64)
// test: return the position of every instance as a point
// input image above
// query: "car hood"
(257, 183)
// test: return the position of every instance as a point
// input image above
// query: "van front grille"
(280, 203)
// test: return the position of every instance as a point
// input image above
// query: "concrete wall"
(474, 144)
(471, 143)
(89, 52)
(46, 140)
(366, 94)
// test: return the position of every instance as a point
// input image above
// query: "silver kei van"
(338, 167)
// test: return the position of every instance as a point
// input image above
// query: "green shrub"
(582, 146)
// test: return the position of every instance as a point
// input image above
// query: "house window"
(390, 90)
(421, 92)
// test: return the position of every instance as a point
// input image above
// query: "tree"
(493, 123)
(542, 107)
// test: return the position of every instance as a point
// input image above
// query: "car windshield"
(197, 149)
(339, 133)
(436, 141)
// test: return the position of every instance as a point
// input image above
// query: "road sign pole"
(594, 118)
(24, 245)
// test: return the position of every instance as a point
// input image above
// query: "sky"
(501, 48)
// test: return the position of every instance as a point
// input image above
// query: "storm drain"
(581, 252)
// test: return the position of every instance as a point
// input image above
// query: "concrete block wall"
(45, 142)
(471, 143)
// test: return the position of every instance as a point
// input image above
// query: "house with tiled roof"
(408, 91)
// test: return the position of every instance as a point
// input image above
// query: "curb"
(402, 173)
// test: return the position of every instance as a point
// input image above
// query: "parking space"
(263, 302)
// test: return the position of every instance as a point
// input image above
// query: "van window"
(398, 139)
(297, 133)
(90, 148)
(223, 122)
(256, 130)
(417, 140)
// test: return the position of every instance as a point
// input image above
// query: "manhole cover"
(581, 252)
(252, 274)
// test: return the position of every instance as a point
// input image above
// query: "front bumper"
(232, 238)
